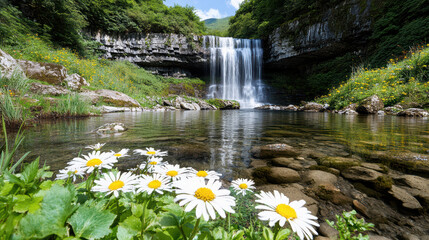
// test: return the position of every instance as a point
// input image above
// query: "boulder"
(413, 112)
(75, 81)
(274, 150)
(283, 175)
(187, 106)
(205, 106)
(393, 110)
(407, 200)
(282, 161)
(406, 161)
(313, 107)
(338, 162)
(43, 89)
(358, 173)
(370, 105)
(348, 111)
(328, 191)
(166, 102)
(112, 97)
(9, 66)
(328, 231)
(111, 128)
(318, 177)
(110, 109)
(45, 72)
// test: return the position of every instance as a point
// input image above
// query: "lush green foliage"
(405, 82)
(350, 227)
(9, 88)
(217, 27)
(72, 105)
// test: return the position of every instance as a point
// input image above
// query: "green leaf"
(267, 233)
(91, 222)
(6, 188)
(169, 220)
(239, 235)
(283, 234)
(30, 172)
(50, 219)
(46, 185)
(137, 209)
(129, 228)
(25, 203)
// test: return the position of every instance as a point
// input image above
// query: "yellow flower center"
(154, 184)
(93, 162)
(153, 163)
(202, 174)
(116, 185)
(117, 155)
(243, 186)
(172, 173)
(151, 152)
(286, 211)
(205, 194)
(75, 171)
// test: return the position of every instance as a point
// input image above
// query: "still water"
(222, 140)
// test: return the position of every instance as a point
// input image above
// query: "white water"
(235, 70)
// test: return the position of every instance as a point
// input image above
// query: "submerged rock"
(111, 128)
(358, 173)
(283, 175)
(274, 150)
(370, 105)
(340, 163)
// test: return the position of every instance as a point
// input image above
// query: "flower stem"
(194, 232)
(143, 219)
(229, 222)
(276, 230)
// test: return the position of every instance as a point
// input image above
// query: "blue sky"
(209, 8)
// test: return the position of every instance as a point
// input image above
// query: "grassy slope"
(404, 82)
(217, 26)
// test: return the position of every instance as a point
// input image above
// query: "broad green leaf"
(6, 188)
(91, 222)
(137, 209)
(267, 233)
(283, 234)
(168, 220)
(46, 185)
(25, 203)
(50, 219)
(129, 228)
(173, 208)
(163, 236)
(239, 235)
(30, 172)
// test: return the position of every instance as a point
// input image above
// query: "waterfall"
(235, 70)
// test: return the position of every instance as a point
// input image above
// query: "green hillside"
(217, 26)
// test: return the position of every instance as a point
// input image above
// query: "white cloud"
(236, 3)
(211, 13)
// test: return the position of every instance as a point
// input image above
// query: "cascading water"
(235, 70)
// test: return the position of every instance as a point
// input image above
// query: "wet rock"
(282, 162)
(329, 192)
(313, 107)
(373, 166)
(370, 105)
(75, 81)
(9, 66)
(409, 236)
(321, 238)
(405, 161)
(328, 231)
(111, 128)
(360, 208)
(318, 177)
(187, 106)
(393, 110)
(348, 112)
(296, 166)
(258, 163)
(43, 89)
(418, 187)
(358, 173)
(340, 163)
(110, 109)
(378, 237)
(167, 102)
(413, 112)
(381, 113)
(115, 98)
(407, 200)
(205, 106)
(274, 150)
(283, 175)
(45, 72)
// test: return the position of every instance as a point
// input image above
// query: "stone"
(205, 106)
(187, 106)
(282, 162)
(360, 208)
(166, 102)
(318, 177)
(331, 193)
(370, 105)
(313, 107)
(409, 236)
(328, 231)
(45, 72)
(381, 113)
(405, 161)
(111, 128)
(258, 163)
(283, 175)
(321, 238)
(340, 163)
(407, 200)
(373, 166)
(378, 237)
(110, 109)
(417, 186)
(413, 112)
(393, 110)
(43, 89)
(9, 66)
(358, 173)
(274, 150)
(348, 112)
(115, 98)
(296, 166)
(75, 81)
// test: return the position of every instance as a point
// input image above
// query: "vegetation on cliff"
(217, 27)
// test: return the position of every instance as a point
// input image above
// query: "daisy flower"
(122, 153)
(203, 174)
(96, 147)
(93, 160)
(115, 182)
(152, 163)
(173, 172)
(242, 186)
(151, 152)
(70, 171)
(155, 183)
(206, 198)
(277, 208)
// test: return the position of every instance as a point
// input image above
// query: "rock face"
(48, 89)
(112, 97)
(168, 54)
(45, 72)
(75, 81)
(8, 65)
(370, 105)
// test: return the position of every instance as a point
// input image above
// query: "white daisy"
(277, 208)
(96, 147)
(151, 152)
(70, 171)
(173, 172)
(242, 186)
(122, 153)
(93, 160)
(115, 182)
(151, 163)
(206, 198)
(203, 174)
(155, 183)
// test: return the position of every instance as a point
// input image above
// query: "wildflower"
(242, 186)
(115, 183)
(151, 152)
(205, 198)
(93, 160)
(96, 147)
(174, 172)
(122, 153)
(70, 171)
(155, 183)
(277, 208)
(203, 174)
